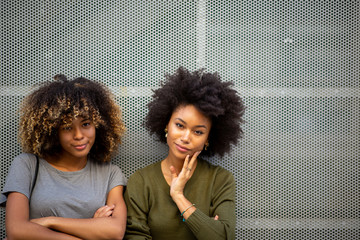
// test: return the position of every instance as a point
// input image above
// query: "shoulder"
(148, 170)
(214, 175)
(145, 184)
(104, 168)
(213, 169)
(107, 172)
(221, 180)
(24, 159)
(20, 175)
(146, 173)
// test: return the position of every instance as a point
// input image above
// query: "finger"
(216, 217)
(193, 159)
(111, 208)
(96, 214)
(102, 211)
(186, 163)
(108, 213)
(104, 214)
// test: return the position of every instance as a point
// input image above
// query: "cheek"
(63, 138)
(92, 133)
(172, 133)
(168, 138)
(199, 144)
(200, 147)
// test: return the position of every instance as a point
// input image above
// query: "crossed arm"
(102, 226)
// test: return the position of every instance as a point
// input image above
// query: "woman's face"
(77, 138)
(188, 131)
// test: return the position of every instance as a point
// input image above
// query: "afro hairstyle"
(212, 97)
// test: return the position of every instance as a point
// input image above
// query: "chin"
(182, 156)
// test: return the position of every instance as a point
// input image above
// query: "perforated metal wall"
(296, 64)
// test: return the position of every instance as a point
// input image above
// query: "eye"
(179, 125)
(198, 132)
(86, 124)
(66, 128)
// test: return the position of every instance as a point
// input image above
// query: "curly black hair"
(213, 98)
(55, 103)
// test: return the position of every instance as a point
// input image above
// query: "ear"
(166, 131)
(206, 144)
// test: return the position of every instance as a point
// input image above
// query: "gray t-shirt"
(63, 194)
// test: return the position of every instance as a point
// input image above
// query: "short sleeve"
(117, 177)
(20, 177)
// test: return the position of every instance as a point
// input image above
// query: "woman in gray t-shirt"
(64, 186)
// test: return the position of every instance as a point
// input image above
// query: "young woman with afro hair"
(63, 186)
(184, 196)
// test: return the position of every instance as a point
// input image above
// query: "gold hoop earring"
(206, 146)
(166, 132)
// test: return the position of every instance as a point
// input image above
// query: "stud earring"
(166, 132)
(206, 145)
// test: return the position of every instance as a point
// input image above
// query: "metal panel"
(295, 63)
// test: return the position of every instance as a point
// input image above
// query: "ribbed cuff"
(196, 220)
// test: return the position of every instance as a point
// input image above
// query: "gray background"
(295, 63)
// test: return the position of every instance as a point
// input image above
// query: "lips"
(80, 147)
(181, 148)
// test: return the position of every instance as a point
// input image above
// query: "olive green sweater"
(152, 214)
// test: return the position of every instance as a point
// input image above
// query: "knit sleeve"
(222, 205)
(137, 209)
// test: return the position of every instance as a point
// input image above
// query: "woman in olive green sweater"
(183, 196)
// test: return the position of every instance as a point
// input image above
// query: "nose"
(78, 133)
(185, 137)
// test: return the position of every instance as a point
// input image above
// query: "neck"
(168, 161)
(176, 163)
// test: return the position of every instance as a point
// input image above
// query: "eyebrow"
(84, 118)
(203, 126)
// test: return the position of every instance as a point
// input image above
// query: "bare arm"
(18, 225)
(112, 227)
(178, 183)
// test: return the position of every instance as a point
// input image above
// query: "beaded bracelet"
(186, 210)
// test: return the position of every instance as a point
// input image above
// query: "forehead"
(73, 119)
(191, 115)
